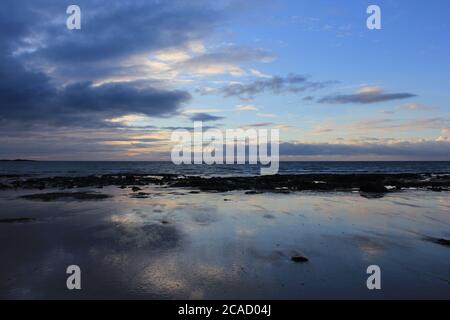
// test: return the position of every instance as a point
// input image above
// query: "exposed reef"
(369, 185)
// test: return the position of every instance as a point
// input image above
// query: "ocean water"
(80, 168)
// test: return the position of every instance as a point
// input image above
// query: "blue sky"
(138, 69)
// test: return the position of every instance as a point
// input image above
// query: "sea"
(83, 168)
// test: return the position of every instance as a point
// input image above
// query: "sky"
(138, 70)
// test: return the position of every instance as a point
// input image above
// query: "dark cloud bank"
(438, 150)
(37, 53)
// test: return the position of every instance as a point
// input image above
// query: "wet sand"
(170, 243)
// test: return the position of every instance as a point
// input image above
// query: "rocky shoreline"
(377, 184)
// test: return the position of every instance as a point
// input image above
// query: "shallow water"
(175, 244)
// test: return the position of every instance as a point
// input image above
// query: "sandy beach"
(180, 243)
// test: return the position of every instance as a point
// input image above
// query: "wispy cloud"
(202, 110)
(365, 95)
(204, 117)
(383, 125)
(415, 107)
(266, 115)
(247, 107)
(292, 83)
(224, 60)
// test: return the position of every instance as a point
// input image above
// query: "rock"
(299, 258)
(136, 189)
(365, 182)
(17, 220)
(283, 191)
(372, 195)
(65, 195)
(436, 189)
(373, 188)
(140, 195)
(441, 241)
(253, 192)
(165, 222)
(3, 186)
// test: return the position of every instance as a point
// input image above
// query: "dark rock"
(140, 195)
(372, 195)
(365, 182)
(3, 186)
(441, 241)
(300, 259)
(284, 191)
(17, 220)
(65, 195)
(373, 188)
(136, 189)
(253, 192)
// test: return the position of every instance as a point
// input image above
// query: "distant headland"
(17, 160)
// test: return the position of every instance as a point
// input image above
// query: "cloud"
(81, 77)
(202, 110)
(365, 95)
(247, 107)
(415, 107)
(259, 74)
(259, 125)
(292, 83)
(385, 125)
(397, 124)
(224, 60)
(266, 115)
(409, 107)
(323, 129)
(122, 28)
(204, 117)
(99, 144)
(445, 135)
(431, 150)
(30, 96)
